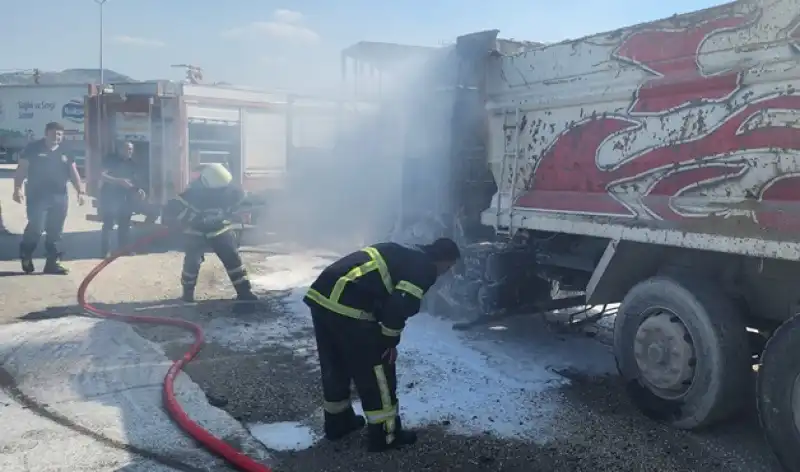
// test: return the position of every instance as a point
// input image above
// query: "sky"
(288, 44)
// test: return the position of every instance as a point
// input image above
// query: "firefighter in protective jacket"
(205, 210)
(359, 306)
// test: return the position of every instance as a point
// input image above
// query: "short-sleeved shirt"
(120, 168)
(48, 169)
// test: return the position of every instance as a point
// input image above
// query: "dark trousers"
(46, 213)
(116, 210)
(352, 350)
(226, 248)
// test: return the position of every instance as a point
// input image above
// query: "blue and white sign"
(73, 111)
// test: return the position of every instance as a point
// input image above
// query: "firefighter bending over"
(204, 210)
(359, 307)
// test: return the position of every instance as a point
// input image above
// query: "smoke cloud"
(371, 165)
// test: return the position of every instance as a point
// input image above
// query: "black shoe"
(188, 294)
(380, 440)
(27, 265)
(339, 425)
(53, 267)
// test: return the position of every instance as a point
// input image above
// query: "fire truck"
(176, 127)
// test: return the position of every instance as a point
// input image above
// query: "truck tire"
(661, 326)
(778, 393)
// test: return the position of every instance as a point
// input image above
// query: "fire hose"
(207, 440)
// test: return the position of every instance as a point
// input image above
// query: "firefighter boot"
(188, 294)
(246, 302)
(53, 266)
(339, 425)
(380, 440)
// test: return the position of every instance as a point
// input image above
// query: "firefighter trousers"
(225, 247)
(352, 350)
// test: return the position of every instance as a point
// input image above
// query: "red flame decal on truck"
(567, 178)
(672, 56)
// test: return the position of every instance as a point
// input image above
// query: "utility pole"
(101, 86)
(101, 3)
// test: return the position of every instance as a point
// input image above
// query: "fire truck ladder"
(507, 231)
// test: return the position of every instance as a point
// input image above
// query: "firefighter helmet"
(215, 176)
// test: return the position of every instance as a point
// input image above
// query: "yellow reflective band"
(343, 310)
(241, 269)
(390, 332)
(354, 273)
(380, 416)
(187, 275)
(376, 263)
(383, 269)
(217, 233)
(336, 407)
(386, 402)
(410, 288)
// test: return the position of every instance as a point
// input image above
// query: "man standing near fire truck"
(47, 168)
(118, 195)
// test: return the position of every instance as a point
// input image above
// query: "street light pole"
(101, 3)
(100, 86)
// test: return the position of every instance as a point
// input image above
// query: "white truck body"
(682, 132)
(26, 109)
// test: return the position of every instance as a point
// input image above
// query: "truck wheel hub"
(664, 355)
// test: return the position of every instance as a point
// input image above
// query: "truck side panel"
(264, 147)
(689, 124)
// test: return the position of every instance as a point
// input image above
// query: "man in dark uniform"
(359, 306)
(118, 195)
(47, 169)
(205, 209)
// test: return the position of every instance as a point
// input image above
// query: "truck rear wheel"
(778, 391)
(683, 352)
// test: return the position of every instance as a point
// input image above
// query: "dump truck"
(176, 127)
(656, 166)
(26, 109)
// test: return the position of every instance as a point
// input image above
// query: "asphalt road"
(261, 369)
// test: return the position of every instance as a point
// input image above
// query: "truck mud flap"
(558, 304)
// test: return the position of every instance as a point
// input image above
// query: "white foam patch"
(284, 436)
(442, 379)
(446, 378)
(103, 376)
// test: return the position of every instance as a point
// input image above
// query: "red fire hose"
(206, 439)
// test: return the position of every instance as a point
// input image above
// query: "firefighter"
(359, 307)
(205, 210)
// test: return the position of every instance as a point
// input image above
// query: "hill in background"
(66, 76)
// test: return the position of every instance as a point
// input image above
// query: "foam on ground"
(284, 436)
(103, 376)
